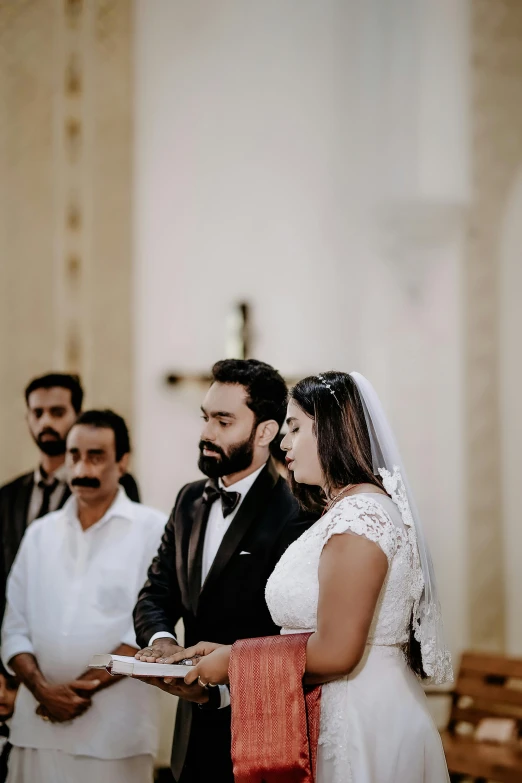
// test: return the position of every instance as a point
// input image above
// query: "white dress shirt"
(217, 526)
(70, 595)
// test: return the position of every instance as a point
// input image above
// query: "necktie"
(47, 490)
(5, 750)
(229, 500)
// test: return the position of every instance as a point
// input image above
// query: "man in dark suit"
(8, 691)
(221, 543)
(54, 402)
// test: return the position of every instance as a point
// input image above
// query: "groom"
(220, 545)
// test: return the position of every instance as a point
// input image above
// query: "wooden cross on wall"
(237, 345)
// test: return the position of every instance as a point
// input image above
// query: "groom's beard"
(239, 458)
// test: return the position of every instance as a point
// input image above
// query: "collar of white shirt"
(121, 507)
(244, 485)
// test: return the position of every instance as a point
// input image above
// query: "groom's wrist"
(162, 635)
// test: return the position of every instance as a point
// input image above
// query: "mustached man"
(70, 595)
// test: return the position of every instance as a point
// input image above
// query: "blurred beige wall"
(220, 145)
(65, 205)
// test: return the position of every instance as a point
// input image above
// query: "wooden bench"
(484, 690)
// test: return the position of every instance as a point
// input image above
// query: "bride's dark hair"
(344, 450)
(343, 441)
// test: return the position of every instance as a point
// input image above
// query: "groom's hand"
(164, 647)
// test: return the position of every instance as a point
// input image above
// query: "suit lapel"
(252, 505)
(21, 507)
(195, 550)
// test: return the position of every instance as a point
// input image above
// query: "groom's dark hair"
(267, 393)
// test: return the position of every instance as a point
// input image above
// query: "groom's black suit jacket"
(14, 507)
(229, 606)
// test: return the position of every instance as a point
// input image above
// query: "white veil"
(427, 619)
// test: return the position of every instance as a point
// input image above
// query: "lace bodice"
(292, 592)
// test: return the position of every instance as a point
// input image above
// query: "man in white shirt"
(54, 402)
(70, 595)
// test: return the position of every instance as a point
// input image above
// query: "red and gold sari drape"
(275, 721)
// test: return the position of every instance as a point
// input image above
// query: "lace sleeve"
(363, 517)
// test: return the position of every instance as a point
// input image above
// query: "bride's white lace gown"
(375, 724)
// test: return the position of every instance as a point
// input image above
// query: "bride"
(361, 582)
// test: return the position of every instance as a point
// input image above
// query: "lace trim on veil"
(436, 658)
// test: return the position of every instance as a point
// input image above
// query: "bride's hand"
(213, 668)
(196, 651)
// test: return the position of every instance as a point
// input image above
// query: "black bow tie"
(4, 730)
(229, 500)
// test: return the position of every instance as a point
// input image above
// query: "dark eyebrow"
(218, 414)
(291, 418)
(76, 450)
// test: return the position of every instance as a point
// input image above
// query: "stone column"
(497, 156)
(65, 184)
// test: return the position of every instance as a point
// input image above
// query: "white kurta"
(27, 765)
(70, 595)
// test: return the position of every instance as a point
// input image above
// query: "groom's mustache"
(204, 444)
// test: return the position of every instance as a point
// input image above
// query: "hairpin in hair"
(328, 386)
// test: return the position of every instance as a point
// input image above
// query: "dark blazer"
(4, 758)
(14, 507)
(229, 606)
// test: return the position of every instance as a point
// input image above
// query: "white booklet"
(123, 664)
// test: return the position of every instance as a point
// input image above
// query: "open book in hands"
(123, 664)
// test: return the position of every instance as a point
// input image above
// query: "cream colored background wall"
(256, 179)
